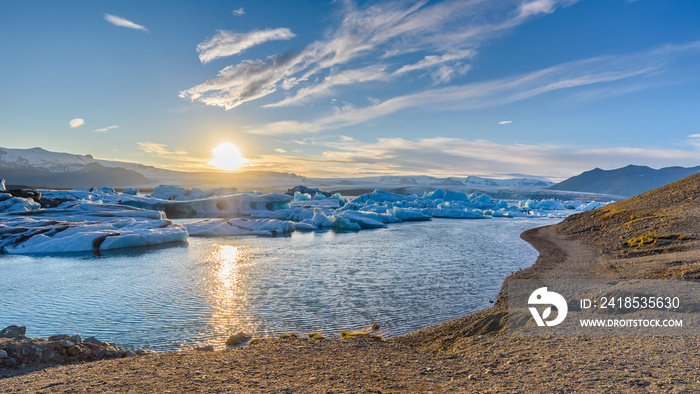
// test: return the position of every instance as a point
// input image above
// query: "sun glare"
(227, 157)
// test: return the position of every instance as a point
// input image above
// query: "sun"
(227, 157)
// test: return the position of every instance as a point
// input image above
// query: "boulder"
(92, 340)
(238, 339)
(13, 331)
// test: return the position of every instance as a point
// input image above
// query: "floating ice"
(212, 227)
(100, 219)
(17, 204)
(85, 227)
(224, 206)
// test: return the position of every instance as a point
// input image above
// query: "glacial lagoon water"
(404, 277)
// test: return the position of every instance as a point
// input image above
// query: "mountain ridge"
(626, 181)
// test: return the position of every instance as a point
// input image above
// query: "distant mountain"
(38, 167)
(627, 181)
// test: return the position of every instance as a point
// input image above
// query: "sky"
(544, 88)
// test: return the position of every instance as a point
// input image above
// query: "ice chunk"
(17, 204)
(380, 196)
(131, 191)
(225, 206)
(301, 196)
(239, 226)
(76, 230)
(2, 185)
(366, 219)
(168, 192)
(454, 213)
(455, 196)
(592, 205)
(408, 215)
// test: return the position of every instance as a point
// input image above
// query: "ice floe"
(85, 227)
(102, 219)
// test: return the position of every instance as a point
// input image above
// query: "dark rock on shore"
(18, 350)
(13, 331)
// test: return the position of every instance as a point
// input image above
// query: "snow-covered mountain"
(57, 162)
(41, 168)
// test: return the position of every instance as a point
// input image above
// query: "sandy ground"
(471, 354)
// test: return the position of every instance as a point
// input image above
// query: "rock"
(3, 354)
(471, 377)
(13, 331)
(129, 353)
(74, 351)
(67, 344)
(75, 338)
(207, 348)
(59, 337)
(238, 339)
(375, 326)
(490, 372)
(92, 340)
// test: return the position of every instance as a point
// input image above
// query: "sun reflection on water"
(228, 287)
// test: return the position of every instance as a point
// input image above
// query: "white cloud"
(280, 150)
(104, 129)
(443, 73)
(577, 74)
(238, 12)
(158, 149)
(445, 31)
(537, 7)
(325, 88)
(77, 122)
(506, 122)
(227, 43)
(121, 22)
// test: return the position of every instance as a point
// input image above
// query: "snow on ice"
(101, 219)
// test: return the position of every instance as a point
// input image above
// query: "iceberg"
(85, 227)
(8, 203)
(224, 206)
(212, 227)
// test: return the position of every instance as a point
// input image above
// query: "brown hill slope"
(663, 220)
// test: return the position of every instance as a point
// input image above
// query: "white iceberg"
(85, 227)
(239, 226)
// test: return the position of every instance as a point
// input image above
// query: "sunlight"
(227, 157)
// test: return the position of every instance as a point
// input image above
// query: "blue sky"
(466, 87)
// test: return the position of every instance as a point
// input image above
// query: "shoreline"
(472, 353)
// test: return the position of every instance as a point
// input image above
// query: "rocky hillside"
(662, 220)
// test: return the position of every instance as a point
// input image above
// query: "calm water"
(403, 277)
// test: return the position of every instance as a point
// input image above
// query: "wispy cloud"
(105, 129)
(587, 72)
(325, 88)
(447, 32)
(506, 122)
(77, 122)
(227, 43)
(121, 22)
(442, 71)
(238, 12)
(159, 149)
